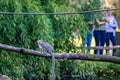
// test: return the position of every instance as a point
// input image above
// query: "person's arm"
(100, 22)
(90, 22)
(113, 23)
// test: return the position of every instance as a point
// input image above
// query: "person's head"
(109, 12)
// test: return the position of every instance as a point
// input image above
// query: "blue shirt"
(89, 17)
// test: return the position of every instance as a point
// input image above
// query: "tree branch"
(75, 56)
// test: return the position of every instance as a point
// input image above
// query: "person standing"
(111, 25)
(99, 31)
(88, 18)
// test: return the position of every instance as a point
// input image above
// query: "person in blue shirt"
(88, 18)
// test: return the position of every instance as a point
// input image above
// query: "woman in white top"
(111, 25)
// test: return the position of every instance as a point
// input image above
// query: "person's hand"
(97, 20)
(107, 19)
(90, 23)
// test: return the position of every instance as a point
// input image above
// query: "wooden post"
(118, 38)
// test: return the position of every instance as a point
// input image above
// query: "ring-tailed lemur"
(46, 47)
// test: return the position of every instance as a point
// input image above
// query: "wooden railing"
(105, 48)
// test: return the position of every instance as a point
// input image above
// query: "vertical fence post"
(118, 38)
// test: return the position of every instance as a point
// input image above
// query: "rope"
(55, 13)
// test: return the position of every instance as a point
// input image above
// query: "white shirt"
(112, 24)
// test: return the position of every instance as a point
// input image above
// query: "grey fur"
(46, 47)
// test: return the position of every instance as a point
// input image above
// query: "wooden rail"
(105, 48)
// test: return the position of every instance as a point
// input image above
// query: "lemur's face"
(40, 42)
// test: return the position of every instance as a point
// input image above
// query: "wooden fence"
(118, 38)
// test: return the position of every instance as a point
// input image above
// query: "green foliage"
(24, 31)
(65, 25)
(10, 65)
(59, 30)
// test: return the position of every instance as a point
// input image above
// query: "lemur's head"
(40, 42)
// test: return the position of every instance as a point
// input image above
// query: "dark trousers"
(110, 37)
(100, 38)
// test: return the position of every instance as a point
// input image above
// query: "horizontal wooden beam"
(105, 48)
(69, 56)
